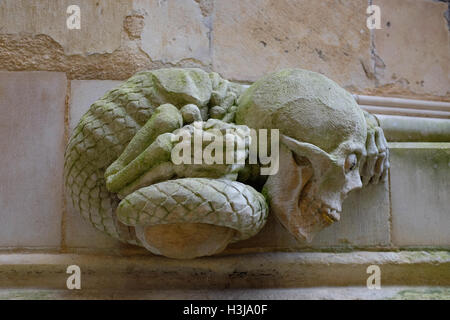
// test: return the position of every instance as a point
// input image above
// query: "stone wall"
(50, 76)
(240, 39)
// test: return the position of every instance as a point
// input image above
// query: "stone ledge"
(412, 129)
(321, 293)
(267, 270)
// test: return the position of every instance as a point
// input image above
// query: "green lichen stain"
(436, 255)
(27, 295)
(425, 294)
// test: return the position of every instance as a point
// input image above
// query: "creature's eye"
(350, 162)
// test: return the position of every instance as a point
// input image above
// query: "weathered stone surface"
(412, 47)
(252, 38)
(32, 107)
(101, 23)
(116, 39)
(29, 51)
(78, 232)
(364, 223)
(41, 52)
(174, 30)
(420, 184)
(248, 39)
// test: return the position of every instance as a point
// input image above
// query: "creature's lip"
(331, 214)
(334, 215)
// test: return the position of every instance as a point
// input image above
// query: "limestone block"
(252, 38)
(420, 184)
(174, 30)
(101, 23)
(124, 273)
(32, 107)
(78, 232)
(412, 46)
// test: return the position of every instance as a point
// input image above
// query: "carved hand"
(375, 165)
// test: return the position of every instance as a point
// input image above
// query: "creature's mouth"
(327, 214)
(330, 213)
(318, 208)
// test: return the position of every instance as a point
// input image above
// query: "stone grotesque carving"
(323, 146)
(120, 173)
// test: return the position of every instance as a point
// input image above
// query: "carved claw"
(375, 165)
(151, 145)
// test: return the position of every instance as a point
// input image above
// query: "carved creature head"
(323, 134)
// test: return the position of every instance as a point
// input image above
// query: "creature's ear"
(283, 191)
(375, 162)
(314, 154)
